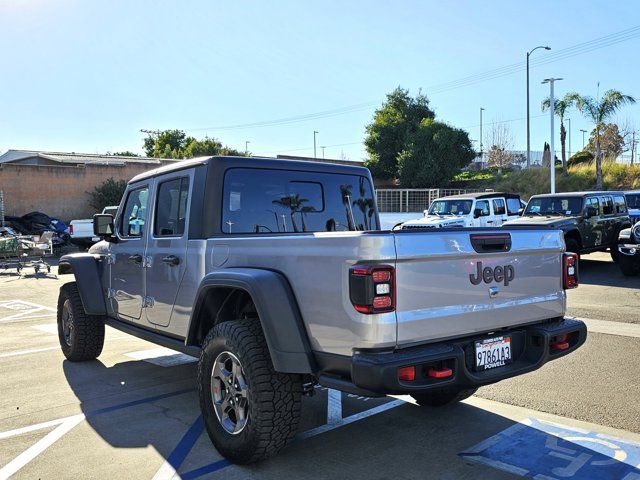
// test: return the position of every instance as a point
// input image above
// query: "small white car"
(485, 209)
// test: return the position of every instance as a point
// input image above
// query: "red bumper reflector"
(560, 345)
(381, 302)
(407, 374)
(444, 373)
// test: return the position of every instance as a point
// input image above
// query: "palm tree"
(560, 108)
(294, 203)
(598, 111)
(364, 204)
(345, 191)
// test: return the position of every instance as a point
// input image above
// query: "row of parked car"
(590, 221)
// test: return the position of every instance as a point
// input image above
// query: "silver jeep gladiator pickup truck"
(274, 273)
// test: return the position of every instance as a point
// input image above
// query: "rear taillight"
(569, 270)
(70, 229)
(372, 288)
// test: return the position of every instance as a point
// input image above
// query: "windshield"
(633, 200)
(451, 207)
(554, 206)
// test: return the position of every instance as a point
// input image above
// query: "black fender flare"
(573, 233)
(86, 269)
(277, 308)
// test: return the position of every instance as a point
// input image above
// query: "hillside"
(536, 180)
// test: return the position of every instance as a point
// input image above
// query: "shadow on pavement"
(606, 273)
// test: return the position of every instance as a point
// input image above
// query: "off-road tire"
(87, 334)
(629, 265)
(573, 246)
(442, 396)
(274, 399)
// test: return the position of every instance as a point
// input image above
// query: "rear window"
(277, 201)
(619, 203)
(513, 206)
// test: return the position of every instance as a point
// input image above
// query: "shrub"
(107, 193)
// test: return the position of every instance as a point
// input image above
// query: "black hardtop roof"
(478, 195)
(578, 194)
(255, 162)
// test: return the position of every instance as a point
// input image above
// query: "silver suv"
(274, 273)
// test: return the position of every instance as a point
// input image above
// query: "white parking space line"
(28, 352)
(25, 310)
(162, 357)
(47, 328)
(611, 328)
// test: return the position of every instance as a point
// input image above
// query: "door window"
(593, 202)
(135, 213)
(513, 206)
(620, 204)
(171, 208)
(607, 205)
(498, 206)
(483, 206)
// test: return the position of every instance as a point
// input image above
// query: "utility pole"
(552, 161)
(481, 151)
(314, 144)
(633, 147)
(246, 147)
(322, 147)
(583, 132)
(528, 115)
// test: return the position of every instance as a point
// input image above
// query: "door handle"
(137, 258)
(489, 221)
(171, 260)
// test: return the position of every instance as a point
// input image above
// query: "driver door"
(127, 270)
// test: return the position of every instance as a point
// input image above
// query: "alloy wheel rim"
(67, 322)
(229, 393)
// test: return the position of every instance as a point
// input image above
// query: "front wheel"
(250, 410)
(442, 396)
(629, 265)
(81, 336)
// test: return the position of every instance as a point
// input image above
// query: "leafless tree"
(499, 138)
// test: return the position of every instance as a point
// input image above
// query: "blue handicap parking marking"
(548, 451)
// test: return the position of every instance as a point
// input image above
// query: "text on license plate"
(493, 352)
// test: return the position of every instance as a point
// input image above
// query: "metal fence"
(412, 199)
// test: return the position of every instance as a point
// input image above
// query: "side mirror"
(477, 213)
(103, 225)
(592, 212)
(521, 211)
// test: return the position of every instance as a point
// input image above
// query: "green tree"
(176, 144)
(398, 118)
(435, 153)
(560, 109)
(107, 193)
(599, 111)
(126, 153)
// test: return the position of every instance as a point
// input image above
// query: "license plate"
(493, 352)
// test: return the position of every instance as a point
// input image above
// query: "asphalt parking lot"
(134, 412)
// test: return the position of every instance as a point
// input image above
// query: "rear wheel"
(250, 410)
(442, 396)
(81, 336)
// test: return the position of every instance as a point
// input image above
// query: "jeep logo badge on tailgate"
(487, 274)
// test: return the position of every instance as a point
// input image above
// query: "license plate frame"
(492, 352)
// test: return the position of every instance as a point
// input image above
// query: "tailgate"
(439, 292)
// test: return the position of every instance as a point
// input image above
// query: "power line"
(574, 50)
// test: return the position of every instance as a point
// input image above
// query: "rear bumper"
(376, 373)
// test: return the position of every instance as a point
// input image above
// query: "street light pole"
(552, 161)
(481, 151)
(583, 132)
(322, 147)
(528, 115)
(246, 147)
(314, 144)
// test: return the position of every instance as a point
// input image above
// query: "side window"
(483, 206)
(619, 204)
(498, 206)
(593, 202)
(607, 205)
(513, 206)
(171, 208)
(134, 213)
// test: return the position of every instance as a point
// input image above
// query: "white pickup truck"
(486, 209)
(81, 231)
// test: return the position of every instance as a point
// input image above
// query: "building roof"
(322, 160)
(72, 158)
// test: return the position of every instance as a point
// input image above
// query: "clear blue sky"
(85, 76)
